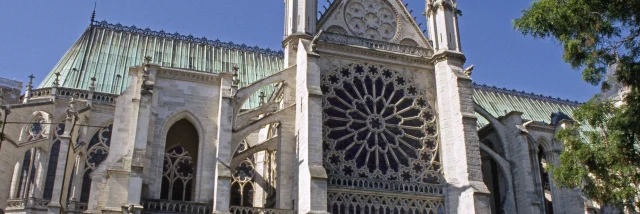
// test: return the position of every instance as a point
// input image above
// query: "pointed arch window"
(27, 173)
(53, 163)
(179, 168)
(177, 177)
(97, 152)
(544, 178)
(242, 185)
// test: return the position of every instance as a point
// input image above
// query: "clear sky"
(36, 34)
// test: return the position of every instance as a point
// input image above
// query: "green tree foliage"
(602, 151)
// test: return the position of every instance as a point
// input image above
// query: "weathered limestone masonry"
(461, 160)
(228, 89)
(518, 147)
(466, 192)
(312, 177)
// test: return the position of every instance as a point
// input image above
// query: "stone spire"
(27, 93)
(442, 20)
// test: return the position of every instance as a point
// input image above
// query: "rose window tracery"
(372, 19)
(378, 125)
(36, 129)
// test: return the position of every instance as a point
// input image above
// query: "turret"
(299, 22)
(442, 19)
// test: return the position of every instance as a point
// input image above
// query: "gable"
(384, 20)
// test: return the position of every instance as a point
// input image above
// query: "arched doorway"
(180, 157)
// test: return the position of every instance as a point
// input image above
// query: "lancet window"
(380, 132)
(97, 152)
(242, 187)
(254, 178)
(544, 178)
(53, 162)
(179, 168)
(28, 171)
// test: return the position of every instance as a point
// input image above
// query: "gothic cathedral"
(361, 112)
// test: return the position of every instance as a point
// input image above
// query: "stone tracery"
(379, 126)
(373, 19)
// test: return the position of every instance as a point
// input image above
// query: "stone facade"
(364, 116)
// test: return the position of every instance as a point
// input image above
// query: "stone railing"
(375, 44)
(72, 92)
(15, 204)
(258, 210)
(104, 98)
(41, 92)
(25, 204)
(98, 97)
(76, 207)
(398, 186)
(167, 206)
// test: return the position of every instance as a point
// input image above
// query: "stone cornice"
(362, 52)
(540, 127)
(446, 55)
(187, 75)
(293, 39)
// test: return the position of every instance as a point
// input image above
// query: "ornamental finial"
(262, 96)
(235, 79)
(92, 86)
(30, 84)
(56, 82)
(93, 14)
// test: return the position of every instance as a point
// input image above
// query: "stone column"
(312, 177)
(527, 201)
(222, 177)
(461, 161)
(56, 203)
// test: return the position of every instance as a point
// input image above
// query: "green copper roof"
(106, 51)
(500, 101)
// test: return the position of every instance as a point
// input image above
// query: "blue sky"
(36, 34)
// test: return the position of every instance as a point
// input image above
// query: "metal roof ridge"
(526, 94)
(190, 38)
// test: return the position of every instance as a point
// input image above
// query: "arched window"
(544, 178)
(97, 152)
(27, 173)
(242, 184)
(53, 163)
(179, 168)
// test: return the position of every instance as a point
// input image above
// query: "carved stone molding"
(187, 75)
(448, 55)
(338, 49)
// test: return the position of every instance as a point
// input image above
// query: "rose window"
(372, 19)
(378, 125)
(36, 130)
